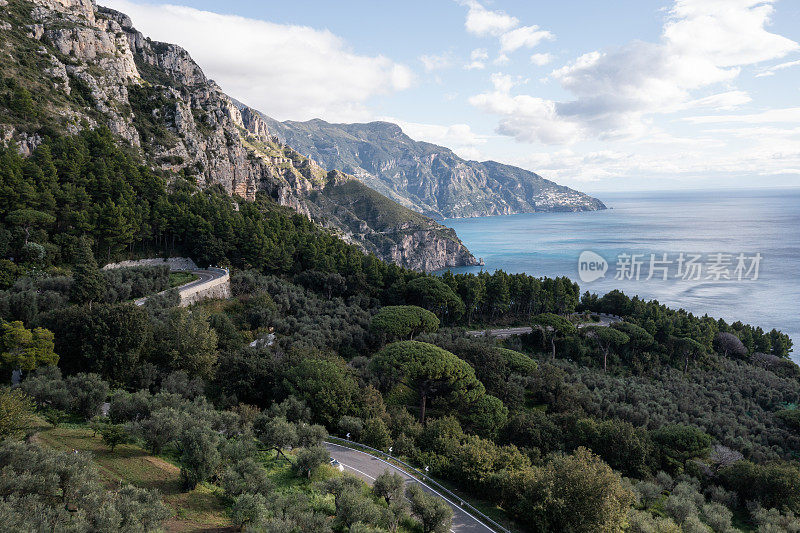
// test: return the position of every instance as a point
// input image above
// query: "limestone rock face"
(421, 250)
(102, 71)
(94, 52)
(75, 8)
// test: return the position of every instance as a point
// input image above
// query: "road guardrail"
(412, 470)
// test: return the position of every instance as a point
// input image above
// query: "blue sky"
(600, 96)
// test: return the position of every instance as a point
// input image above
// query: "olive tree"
(310, 434)
(114, 435)
(245, 476)
(389, 486)
(162, 427)
(275, 433)
(16, 413)
(577, 492)
(46, 490)
(88, 392)
(200, 457)
(309, 459)
(249, 510)
(434, 514)
(356, 512)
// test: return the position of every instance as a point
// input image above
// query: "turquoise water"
(705, 223)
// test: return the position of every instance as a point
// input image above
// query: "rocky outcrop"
(101, 71)
(80, 9)
(360, 214)
(93, 52)
(426, 251)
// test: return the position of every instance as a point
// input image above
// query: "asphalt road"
(368, 467)
(203, 277)
(504, 333)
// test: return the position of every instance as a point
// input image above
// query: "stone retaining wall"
(216, 288)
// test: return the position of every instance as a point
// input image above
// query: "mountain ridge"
(70, 65)
(424, 176)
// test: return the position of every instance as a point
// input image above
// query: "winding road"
(203, 277)
(368, 467)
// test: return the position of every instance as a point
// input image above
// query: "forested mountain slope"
(661, 421)
(68, 65)
(427, 178)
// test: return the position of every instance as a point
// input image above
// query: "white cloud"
(436, 62)
(458, 137)
(511, 36)
(786, 65)
(771, 70)
(481, 21)
(527, 118)
(500, 60)
(503, 83)
(790, 115)
(704, 42)
(477, 59)
(722, 101)
(523, 37)
(287, 71)
(727, 32)
(756, 131)
(541, 60)
(679, 160)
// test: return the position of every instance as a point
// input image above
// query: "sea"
(729, 254)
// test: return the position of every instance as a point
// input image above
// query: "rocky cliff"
(68, 65)
(395, 232)
(427, 178)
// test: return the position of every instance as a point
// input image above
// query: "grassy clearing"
(176, 279)
(202, 509)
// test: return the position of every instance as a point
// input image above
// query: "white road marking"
(373, 479)
(412, 479)
(357, 470)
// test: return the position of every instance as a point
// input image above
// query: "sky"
(600, 96)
